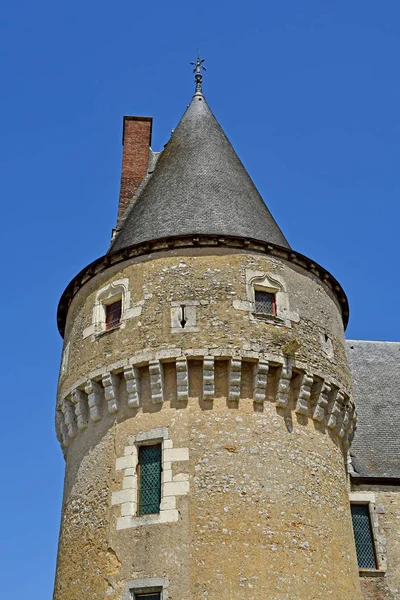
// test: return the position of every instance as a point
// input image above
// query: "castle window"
(363, 536)
(154, 588)
(264, 303)
(113, 314)
(150, 491)
(112, 308)
(149, 479)
(64, 360)
(267, 299)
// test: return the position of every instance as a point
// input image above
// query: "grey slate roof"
(199, 186)
(375, 367)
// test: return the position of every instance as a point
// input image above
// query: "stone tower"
(204, 402)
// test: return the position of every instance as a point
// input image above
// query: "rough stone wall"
(267, 513)
(95, 560)
(387, 507)
(215, 280)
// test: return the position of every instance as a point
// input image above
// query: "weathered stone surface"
(218, 278)
(252, 508)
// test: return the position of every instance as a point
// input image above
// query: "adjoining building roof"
(199, 186)
(375, 366)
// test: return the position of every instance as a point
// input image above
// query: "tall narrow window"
(264, 303)
(113, 314)
(149, 479)
(363, 536)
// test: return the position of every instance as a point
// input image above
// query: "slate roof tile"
(199, 186)
(375, 367)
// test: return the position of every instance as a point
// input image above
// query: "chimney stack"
(136, 140)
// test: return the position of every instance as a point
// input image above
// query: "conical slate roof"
(199, 186)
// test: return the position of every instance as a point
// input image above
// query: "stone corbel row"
(331, 406)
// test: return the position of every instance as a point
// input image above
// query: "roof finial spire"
(198, 66)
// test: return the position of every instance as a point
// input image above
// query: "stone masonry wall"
(253, 417)
(216, 281)
(267, 512)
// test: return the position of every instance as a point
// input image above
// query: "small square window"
(264, 303)
(149, 479)
(363, 536)
(113, 314)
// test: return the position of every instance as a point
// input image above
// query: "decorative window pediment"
(267, 298)
(112, 307)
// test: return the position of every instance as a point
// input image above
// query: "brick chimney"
(136, 140)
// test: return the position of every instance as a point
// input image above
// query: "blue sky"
(308, 93)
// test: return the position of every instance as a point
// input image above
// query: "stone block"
(176, 488)
(110, 384)
(128, 509)
(208, 377)
(132, 386)
(181, 477)
(156, 381)
(168, 503)
(80, 401)
(235, 375)
(304, 394)
(260, 381)
(94, 392)
(182, 379)
(129, 483)
(125, 462)
(176, 454)
(122, 496)
(166, 475)
(125, 522)
(169, 516)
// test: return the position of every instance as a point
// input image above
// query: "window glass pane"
(363, 536)
(149, 479)
(113, 314)
(264, 303)
(153, 596)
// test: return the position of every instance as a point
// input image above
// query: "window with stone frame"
(264, 303)
(147, 589)
(363, 536)
(112, 308)
(149, 471)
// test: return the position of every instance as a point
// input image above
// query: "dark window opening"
(151, 596)
(363, 536)
(265, 303)
(113, 314)
(149, 479)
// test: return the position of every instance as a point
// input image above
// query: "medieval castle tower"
(205, 400)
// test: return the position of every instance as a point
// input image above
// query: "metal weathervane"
(198, 67)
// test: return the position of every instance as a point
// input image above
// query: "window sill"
(273, 320)
(164, 516)
(110, 330)
(371, 573)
